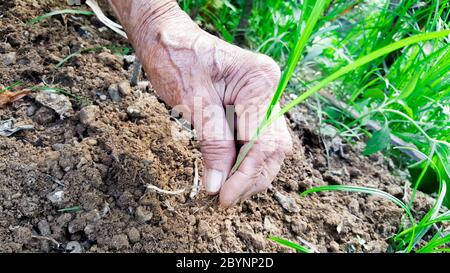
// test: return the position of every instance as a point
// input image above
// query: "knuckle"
(270, 67)
(215, 148)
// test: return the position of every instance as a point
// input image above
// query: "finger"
(260, 166)
(217, 144)
(255, 174)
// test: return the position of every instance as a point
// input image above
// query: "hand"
(205, 78)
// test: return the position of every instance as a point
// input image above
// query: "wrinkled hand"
(204, 78)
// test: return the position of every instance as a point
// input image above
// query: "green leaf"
(410, 87)
(374, 93)
(71, 209)
(379, 141)
(290, 244)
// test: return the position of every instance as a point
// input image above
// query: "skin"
(204, 77)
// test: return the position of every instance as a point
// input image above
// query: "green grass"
(114, 49)
(70, 209)
(409, 238)
(83, 101)
(11, 86)
(58, 12)
(290, 244)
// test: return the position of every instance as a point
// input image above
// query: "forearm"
(150, 23)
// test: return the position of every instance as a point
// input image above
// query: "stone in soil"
(288, 203)
(9, 59)
(57, 102)
(113, 91)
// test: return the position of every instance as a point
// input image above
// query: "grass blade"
(372, 191)
(58, 12)
(290, 244)
(360, 189)
(304, 33)
(71, 209)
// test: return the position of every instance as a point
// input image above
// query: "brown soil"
(102, 159)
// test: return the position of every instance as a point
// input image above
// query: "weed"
(58, 12)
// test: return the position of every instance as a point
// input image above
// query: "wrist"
(145, 21)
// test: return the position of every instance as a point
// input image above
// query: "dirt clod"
(124, 88)
(88, 115)
(143, 215)
(251, 239)
(134, 235)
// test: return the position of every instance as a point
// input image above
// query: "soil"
(95, 163)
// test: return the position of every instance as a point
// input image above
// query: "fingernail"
(214, 181)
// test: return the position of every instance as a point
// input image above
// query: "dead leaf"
(10, 97)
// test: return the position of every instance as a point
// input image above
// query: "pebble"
(353, 206)
(143, 215)
(287, 203)
(74, 247)
(129, 59)
(133, 112)
(134, 235)
(332, 178)
(113, 91)
(58, 102)
(9, 58)
(334, 247)
(124, 88)
(103, 97)
(107, 58)
(63, 219)
(120, 242)
(56, 197)
(269, 226)
(88, 115)
(44, 228)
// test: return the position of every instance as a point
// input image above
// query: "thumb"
(217, 146)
